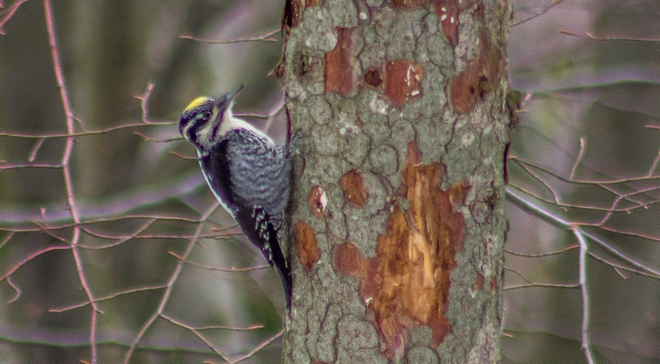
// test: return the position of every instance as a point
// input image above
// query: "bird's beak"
(224, 101)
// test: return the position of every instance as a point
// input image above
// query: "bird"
(246, 171)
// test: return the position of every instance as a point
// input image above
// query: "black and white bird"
(247, 172)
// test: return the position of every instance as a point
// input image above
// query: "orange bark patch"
(348, 260)
(317, 201)
(339, 71)
(481, 75)
(464, 89)
(353, 186)
(402, 81)
(407, 283)
(308, 251)
(448, 11)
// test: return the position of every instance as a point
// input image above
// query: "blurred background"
(154, 247)
(136, 187)
(602, 94)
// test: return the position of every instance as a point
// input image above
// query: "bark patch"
(339, 71)
(402, 81)
(448, 12)
(348, 260)
(308, 251)
(480, 76)
(352, 184)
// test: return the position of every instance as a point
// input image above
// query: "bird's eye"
(206, 115)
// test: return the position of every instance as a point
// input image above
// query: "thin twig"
(16, 288)
(108, 297)
(540, 255)
(143, 102)
(35, 150)
(258, 38)
(229, 270)
(546, 285)
(557, 2)
(25, 260)
(593, 37)
(261, 346)
(578, 160)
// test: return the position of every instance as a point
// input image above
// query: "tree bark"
(397, 218)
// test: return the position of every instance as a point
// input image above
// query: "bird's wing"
(259, 171)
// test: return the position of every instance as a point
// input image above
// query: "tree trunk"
(397, 216)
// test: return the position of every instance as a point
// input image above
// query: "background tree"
(112, 249)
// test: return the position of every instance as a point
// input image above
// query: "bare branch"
(150, 139)
(86, 132)
(199, 335)
(108, 297)
(6, 239)
(229, 270)
(16, 288)
(258, 38)
(585, 294)
(143, 103)
(269, 117)
(542, 254)
(35, 150)
(263, 345)
(555, 3)
(520, 199)
(547, 285)
(25, 260)
(654, 165)
(8, 13)
(578, 160)
(592, 37)
(622, 267)
(57, 66)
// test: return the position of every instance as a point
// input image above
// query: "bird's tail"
(280, 264)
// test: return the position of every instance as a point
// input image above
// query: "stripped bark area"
(407, 283)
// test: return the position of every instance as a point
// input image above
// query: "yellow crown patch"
(196, 102)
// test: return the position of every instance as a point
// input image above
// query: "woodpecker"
(246, 171)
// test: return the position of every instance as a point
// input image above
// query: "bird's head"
(205, 120)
